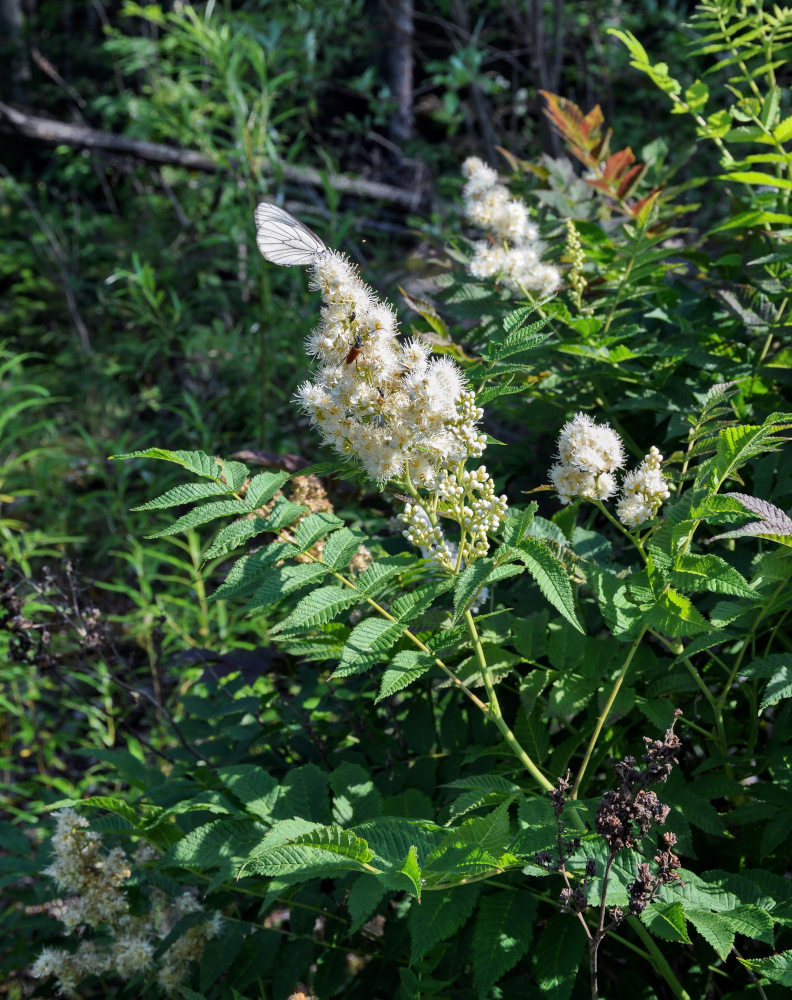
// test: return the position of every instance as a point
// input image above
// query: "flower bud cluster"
(82, 866)
(515, 256)
(589, 453)
(467, 498)
(427, 537)
(390, 404)
(643, 491)
(574, 253)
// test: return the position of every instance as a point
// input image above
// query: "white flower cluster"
(589, 454)
(514, 257)
(643, 491)
(82, 867)
(399, 411)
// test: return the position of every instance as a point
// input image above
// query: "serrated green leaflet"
(185, 493)
(202, 515)
(313, 527)
(551, 577)
(318, 608)
(369, 642)
(502, 935)
(281, 581)
(264, 486)
(440, 915)
(233, 535)
(341, 546)
(404, 668)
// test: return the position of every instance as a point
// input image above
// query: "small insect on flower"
(355, 349)
(284, 240)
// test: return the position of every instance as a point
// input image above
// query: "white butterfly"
(284, 240)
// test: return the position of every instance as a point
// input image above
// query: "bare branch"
(84, 137)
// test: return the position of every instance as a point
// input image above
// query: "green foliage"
(329, 740)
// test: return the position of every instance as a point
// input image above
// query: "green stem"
(713, 704)
(658, 959)
(604, 510)
(748, 639)
(494, 710)
(605, 712)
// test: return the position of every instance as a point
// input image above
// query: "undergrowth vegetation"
(434, 649)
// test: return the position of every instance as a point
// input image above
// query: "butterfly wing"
(284, 240)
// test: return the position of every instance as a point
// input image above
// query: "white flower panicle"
(82, 867)
(643, 491)
(399, 411)
(404, 415)
(589, 453)
(95, 876)
(514, 257)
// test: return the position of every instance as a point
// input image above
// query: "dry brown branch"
(82, 136)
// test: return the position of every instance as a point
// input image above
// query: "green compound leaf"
(318, 608)
(440, 915)
(502, 935)
(551, 577)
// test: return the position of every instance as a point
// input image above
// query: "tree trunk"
(12, 23)
(400, 20)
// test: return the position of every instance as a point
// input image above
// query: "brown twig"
(84, 137)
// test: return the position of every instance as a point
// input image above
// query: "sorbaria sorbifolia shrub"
(394, 796)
